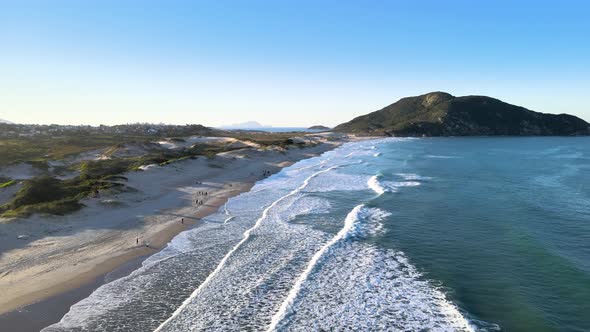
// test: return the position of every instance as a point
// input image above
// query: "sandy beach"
(44, 256)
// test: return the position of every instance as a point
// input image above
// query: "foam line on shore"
(238, 245)
(229, 215)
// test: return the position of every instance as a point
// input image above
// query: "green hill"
(441, 114)
(319, 127)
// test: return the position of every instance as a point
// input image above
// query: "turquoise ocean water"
(439, 234)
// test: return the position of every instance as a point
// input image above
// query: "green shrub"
(40, 164)
(115, 177)
(39, 190)
(45, 194)
(8, 183)
(95, 169)
(59, 207)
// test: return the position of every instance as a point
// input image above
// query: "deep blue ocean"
(430, 234)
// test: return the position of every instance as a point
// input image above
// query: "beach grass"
(264, 139)
(47, 194)
(39, 150)
(42, 149)
(5, 184)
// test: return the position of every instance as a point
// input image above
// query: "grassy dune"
(48, 194)
(39, 149)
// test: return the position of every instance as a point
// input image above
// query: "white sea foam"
(412, 176)
(227, 213)
(148, 167)
(372, 222)
(349, 223)
(367, 289)
(304, 166)
(395, 185)
(305, 205)
(237, 246)
(338, 181)
(364, 288)
(252, 284)
(375, 185)
(381, 187)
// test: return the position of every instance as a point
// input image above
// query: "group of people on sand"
(201, 193)
(197, 201)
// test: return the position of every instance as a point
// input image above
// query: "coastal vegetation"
(58, 187)
(264, 139)
(4, 183)
(48, 194)
(39, 150)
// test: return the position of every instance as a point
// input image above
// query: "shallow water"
(398, 234)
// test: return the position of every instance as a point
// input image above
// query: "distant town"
(9, 130)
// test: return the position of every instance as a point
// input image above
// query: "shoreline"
(43, 313)
(76, 283)
(25, 318)
(154, 242)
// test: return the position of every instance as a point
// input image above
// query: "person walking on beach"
(182, 221)
(137, 241)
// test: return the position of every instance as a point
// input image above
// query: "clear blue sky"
(283, 63)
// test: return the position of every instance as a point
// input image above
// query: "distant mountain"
(247, 125)
(441, 114)
(5, 121)
(318, 127)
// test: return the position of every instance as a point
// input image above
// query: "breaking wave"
(375, 185)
